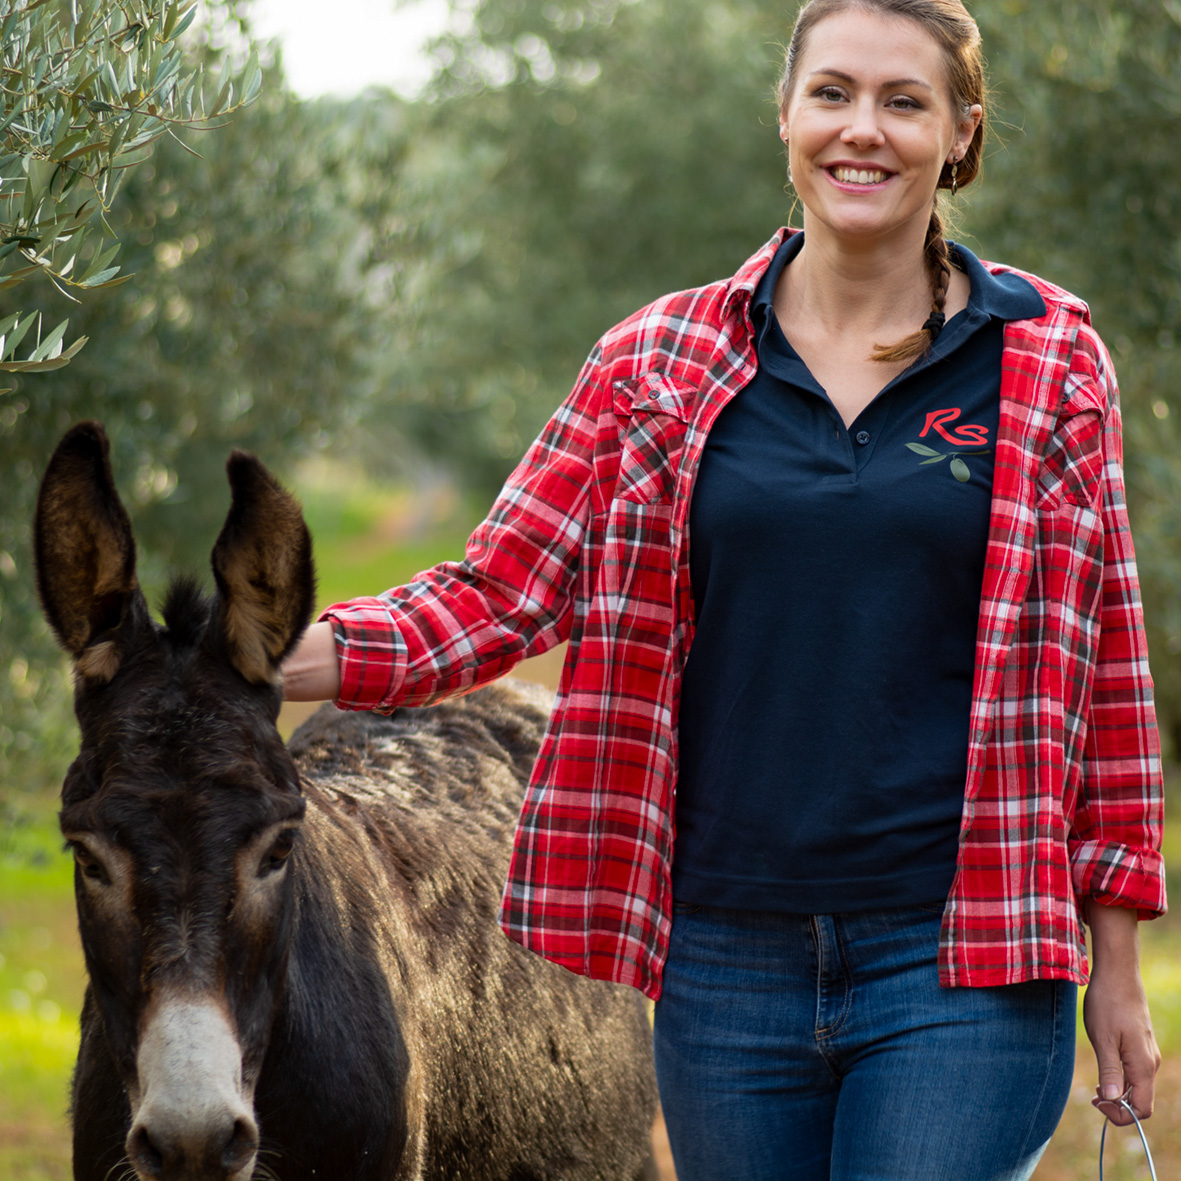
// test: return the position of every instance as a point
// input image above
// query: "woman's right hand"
(312, 672)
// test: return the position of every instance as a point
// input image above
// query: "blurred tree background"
(409, 282)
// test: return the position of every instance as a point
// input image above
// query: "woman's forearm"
(312, 671)
(1115, 936)
(1115, 1012)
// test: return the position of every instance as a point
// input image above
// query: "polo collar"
(1001, 295)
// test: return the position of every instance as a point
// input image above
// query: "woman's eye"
(904, 104)
(829, 94)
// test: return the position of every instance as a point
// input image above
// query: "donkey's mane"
(186, 610)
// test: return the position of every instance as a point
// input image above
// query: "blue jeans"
(821, 1048)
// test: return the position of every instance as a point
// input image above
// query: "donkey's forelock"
(187, 610)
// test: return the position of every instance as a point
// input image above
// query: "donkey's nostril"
(222, 1151)
(146, 1157)
(241, 1146)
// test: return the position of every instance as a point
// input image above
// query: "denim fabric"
(821, 1048)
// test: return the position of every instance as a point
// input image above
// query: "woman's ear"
(967, 131)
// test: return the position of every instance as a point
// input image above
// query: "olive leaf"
(959, 469)
(88, 87)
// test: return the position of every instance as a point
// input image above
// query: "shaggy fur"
(388, 1028)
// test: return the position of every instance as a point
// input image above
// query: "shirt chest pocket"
(1071, 469)
(653, 422)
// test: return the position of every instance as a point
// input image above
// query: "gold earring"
(955, 184)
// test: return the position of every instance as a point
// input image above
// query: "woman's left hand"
(1115, 1013)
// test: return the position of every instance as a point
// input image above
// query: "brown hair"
(950, 24)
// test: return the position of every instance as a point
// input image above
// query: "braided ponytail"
(938, 261)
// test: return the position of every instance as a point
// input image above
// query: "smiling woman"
(869, 140)
(848, 741)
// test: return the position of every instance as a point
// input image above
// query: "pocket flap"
(1080, 395)
(651, 393)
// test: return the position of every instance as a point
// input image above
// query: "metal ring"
(1123, 1102)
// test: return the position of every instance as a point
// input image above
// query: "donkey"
(295, 971)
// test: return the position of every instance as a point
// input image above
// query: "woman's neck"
(841, 287)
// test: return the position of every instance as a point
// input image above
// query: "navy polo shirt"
(836, 577)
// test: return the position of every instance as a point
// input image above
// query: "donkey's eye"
(89, 865)
(277, 854)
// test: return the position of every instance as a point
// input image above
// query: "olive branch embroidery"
(959, 469)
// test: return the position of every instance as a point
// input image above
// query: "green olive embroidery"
(959, 469)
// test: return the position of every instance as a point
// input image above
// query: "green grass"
(41, 985)
(40, 1044)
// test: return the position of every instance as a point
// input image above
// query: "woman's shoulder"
(678, 334)
(1056, 298)
(675, 335)
(1065, 329)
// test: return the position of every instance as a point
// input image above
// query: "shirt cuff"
(370, 652)
(1119, 875)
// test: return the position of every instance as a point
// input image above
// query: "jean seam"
(834, 1027)
(1035, 1108)
(825, 1036)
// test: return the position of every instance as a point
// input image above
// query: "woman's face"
(869, 124)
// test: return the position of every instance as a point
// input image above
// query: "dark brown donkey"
(295, 968)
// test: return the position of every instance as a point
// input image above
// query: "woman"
(897, 680)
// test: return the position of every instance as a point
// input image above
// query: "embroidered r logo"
(965, 433)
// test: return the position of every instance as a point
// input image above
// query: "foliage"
(244, 325)
(575, 161)
(87, 87)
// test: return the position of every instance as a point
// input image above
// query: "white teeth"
(854, 176)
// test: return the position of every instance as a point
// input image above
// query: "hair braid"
(938, 260)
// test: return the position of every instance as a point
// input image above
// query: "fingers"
(1140, 1073)
(1131, 1078)
(1114, 1110)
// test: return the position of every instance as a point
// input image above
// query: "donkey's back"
(519, 1068)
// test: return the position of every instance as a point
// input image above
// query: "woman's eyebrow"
(891, 84)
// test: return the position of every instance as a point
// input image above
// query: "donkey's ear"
(84, 551)
(263, 565)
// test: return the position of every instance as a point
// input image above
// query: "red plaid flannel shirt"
(587, 543)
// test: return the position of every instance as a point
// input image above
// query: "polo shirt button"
(863, 437)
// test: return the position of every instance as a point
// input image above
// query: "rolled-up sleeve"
(1115, 846)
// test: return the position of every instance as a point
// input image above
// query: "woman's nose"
(864, 128)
